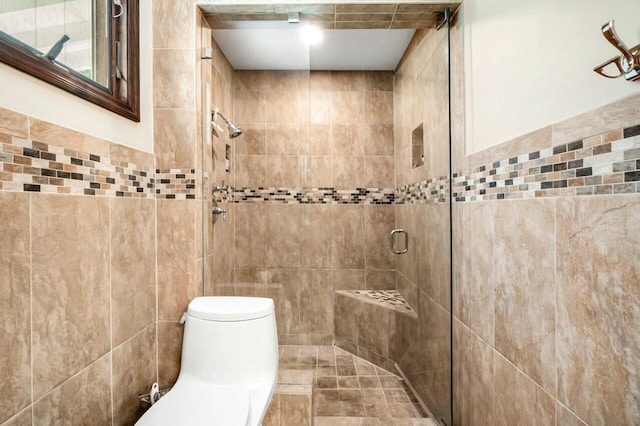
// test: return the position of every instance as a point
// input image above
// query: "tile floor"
(348, 390)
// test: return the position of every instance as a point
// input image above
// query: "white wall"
(27, 95)
(529, 63)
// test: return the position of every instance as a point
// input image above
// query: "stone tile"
(133, 267)
(250, 171)
(250, 235)
(525, 290)
(177, 278)
(23, 418)
(347, 81)
(134, 371)
(42, 131)
(316, 302)
(566, 418)
(347, 108)
(315, 241)
(473, 298)
(518, 399)
(598, 321)
(83, 399)
(173, 71)
(348, 172)
(473, 378)
(348, 242)
(378, 107)
(15, 305)
(379, 171)
(379, 139)
(174, 136)
(173, 24)
(13, 123)
(282, 171)
(284, 288)
(169, 352)
(379, 220)
(70, 287)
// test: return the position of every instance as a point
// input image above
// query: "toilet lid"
(200, 405)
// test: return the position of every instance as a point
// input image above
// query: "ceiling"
(356, 36)
(340, 50)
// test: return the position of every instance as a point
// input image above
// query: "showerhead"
(234, 131)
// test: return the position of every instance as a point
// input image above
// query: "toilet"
(229, 365)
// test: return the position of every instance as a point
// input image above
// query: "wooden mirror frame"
(124, 96)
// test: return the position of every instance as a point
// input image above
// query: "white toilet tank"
(231, 340)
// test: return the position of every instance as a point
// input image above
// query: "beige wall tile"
(347, 139)
(348, 172)
(315, 171)
(21, 419)
(347, 107)
(379, 172)
(378, 107)
(320, 81)
(473, 297)
(250, 236)
(295, 409)
(315, 241)
(173, 75)
(282, 171)
(84, 399)
(346, 309)
(347, 228)
(379, 139)
(316, 301)
(378, 80)
(252, 141)
(134, 371)
(320, 107)
(379, 220)
(283, 107)
(173, 24)
(525, 289)
(249, 171)
(133, 267)
(174, 138)
(347, 81)
(125, 154)
(169, 352)
(282, 139)
(517, 399)
(473, 375)
(177, 284)
(41, 131)
(13, 123)
(284, 288)
(70, 286)
(380, 279)
(566, 418)
(284, 224)
(373, 328)
(15, 305)
(316, 140)
(349, 279)
(250, 281)
(598, 320)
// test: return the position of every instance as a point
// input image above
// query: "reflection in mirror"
(74, 33)
(90, 48)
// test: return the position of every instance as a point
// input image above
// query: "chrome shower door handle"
(392, 241)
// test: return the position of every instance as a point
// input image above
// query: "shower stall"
(330, 161)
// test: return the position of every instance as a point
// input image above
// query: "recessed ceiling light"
(311, 34)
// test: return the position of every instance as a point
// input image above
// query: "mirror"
(86, 47)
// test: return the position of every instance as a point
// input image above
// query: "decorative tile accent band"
(307, 195)
(584, 167)
(176, 184)
(29, 166)
(434, 190)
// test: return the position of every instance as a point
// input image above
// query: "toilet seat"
(200, 404)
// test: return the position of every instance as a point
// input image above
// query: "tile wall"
(546, 295)
(310, 178)
(78, 270)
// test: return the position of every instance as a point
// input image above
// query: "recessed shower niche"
(417, 146)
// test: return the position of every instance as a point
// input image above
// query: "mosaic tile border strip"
(604, 164)
(307, 195)
(29, 166)
(176, 184)
(432, 191)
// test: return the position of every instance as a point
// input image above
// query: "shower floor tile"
(347, 390)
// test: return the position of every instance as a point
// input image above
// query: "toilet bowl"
(229, 365)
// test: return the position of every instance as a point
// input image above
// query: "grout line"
(30, 209)
(110, 228)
